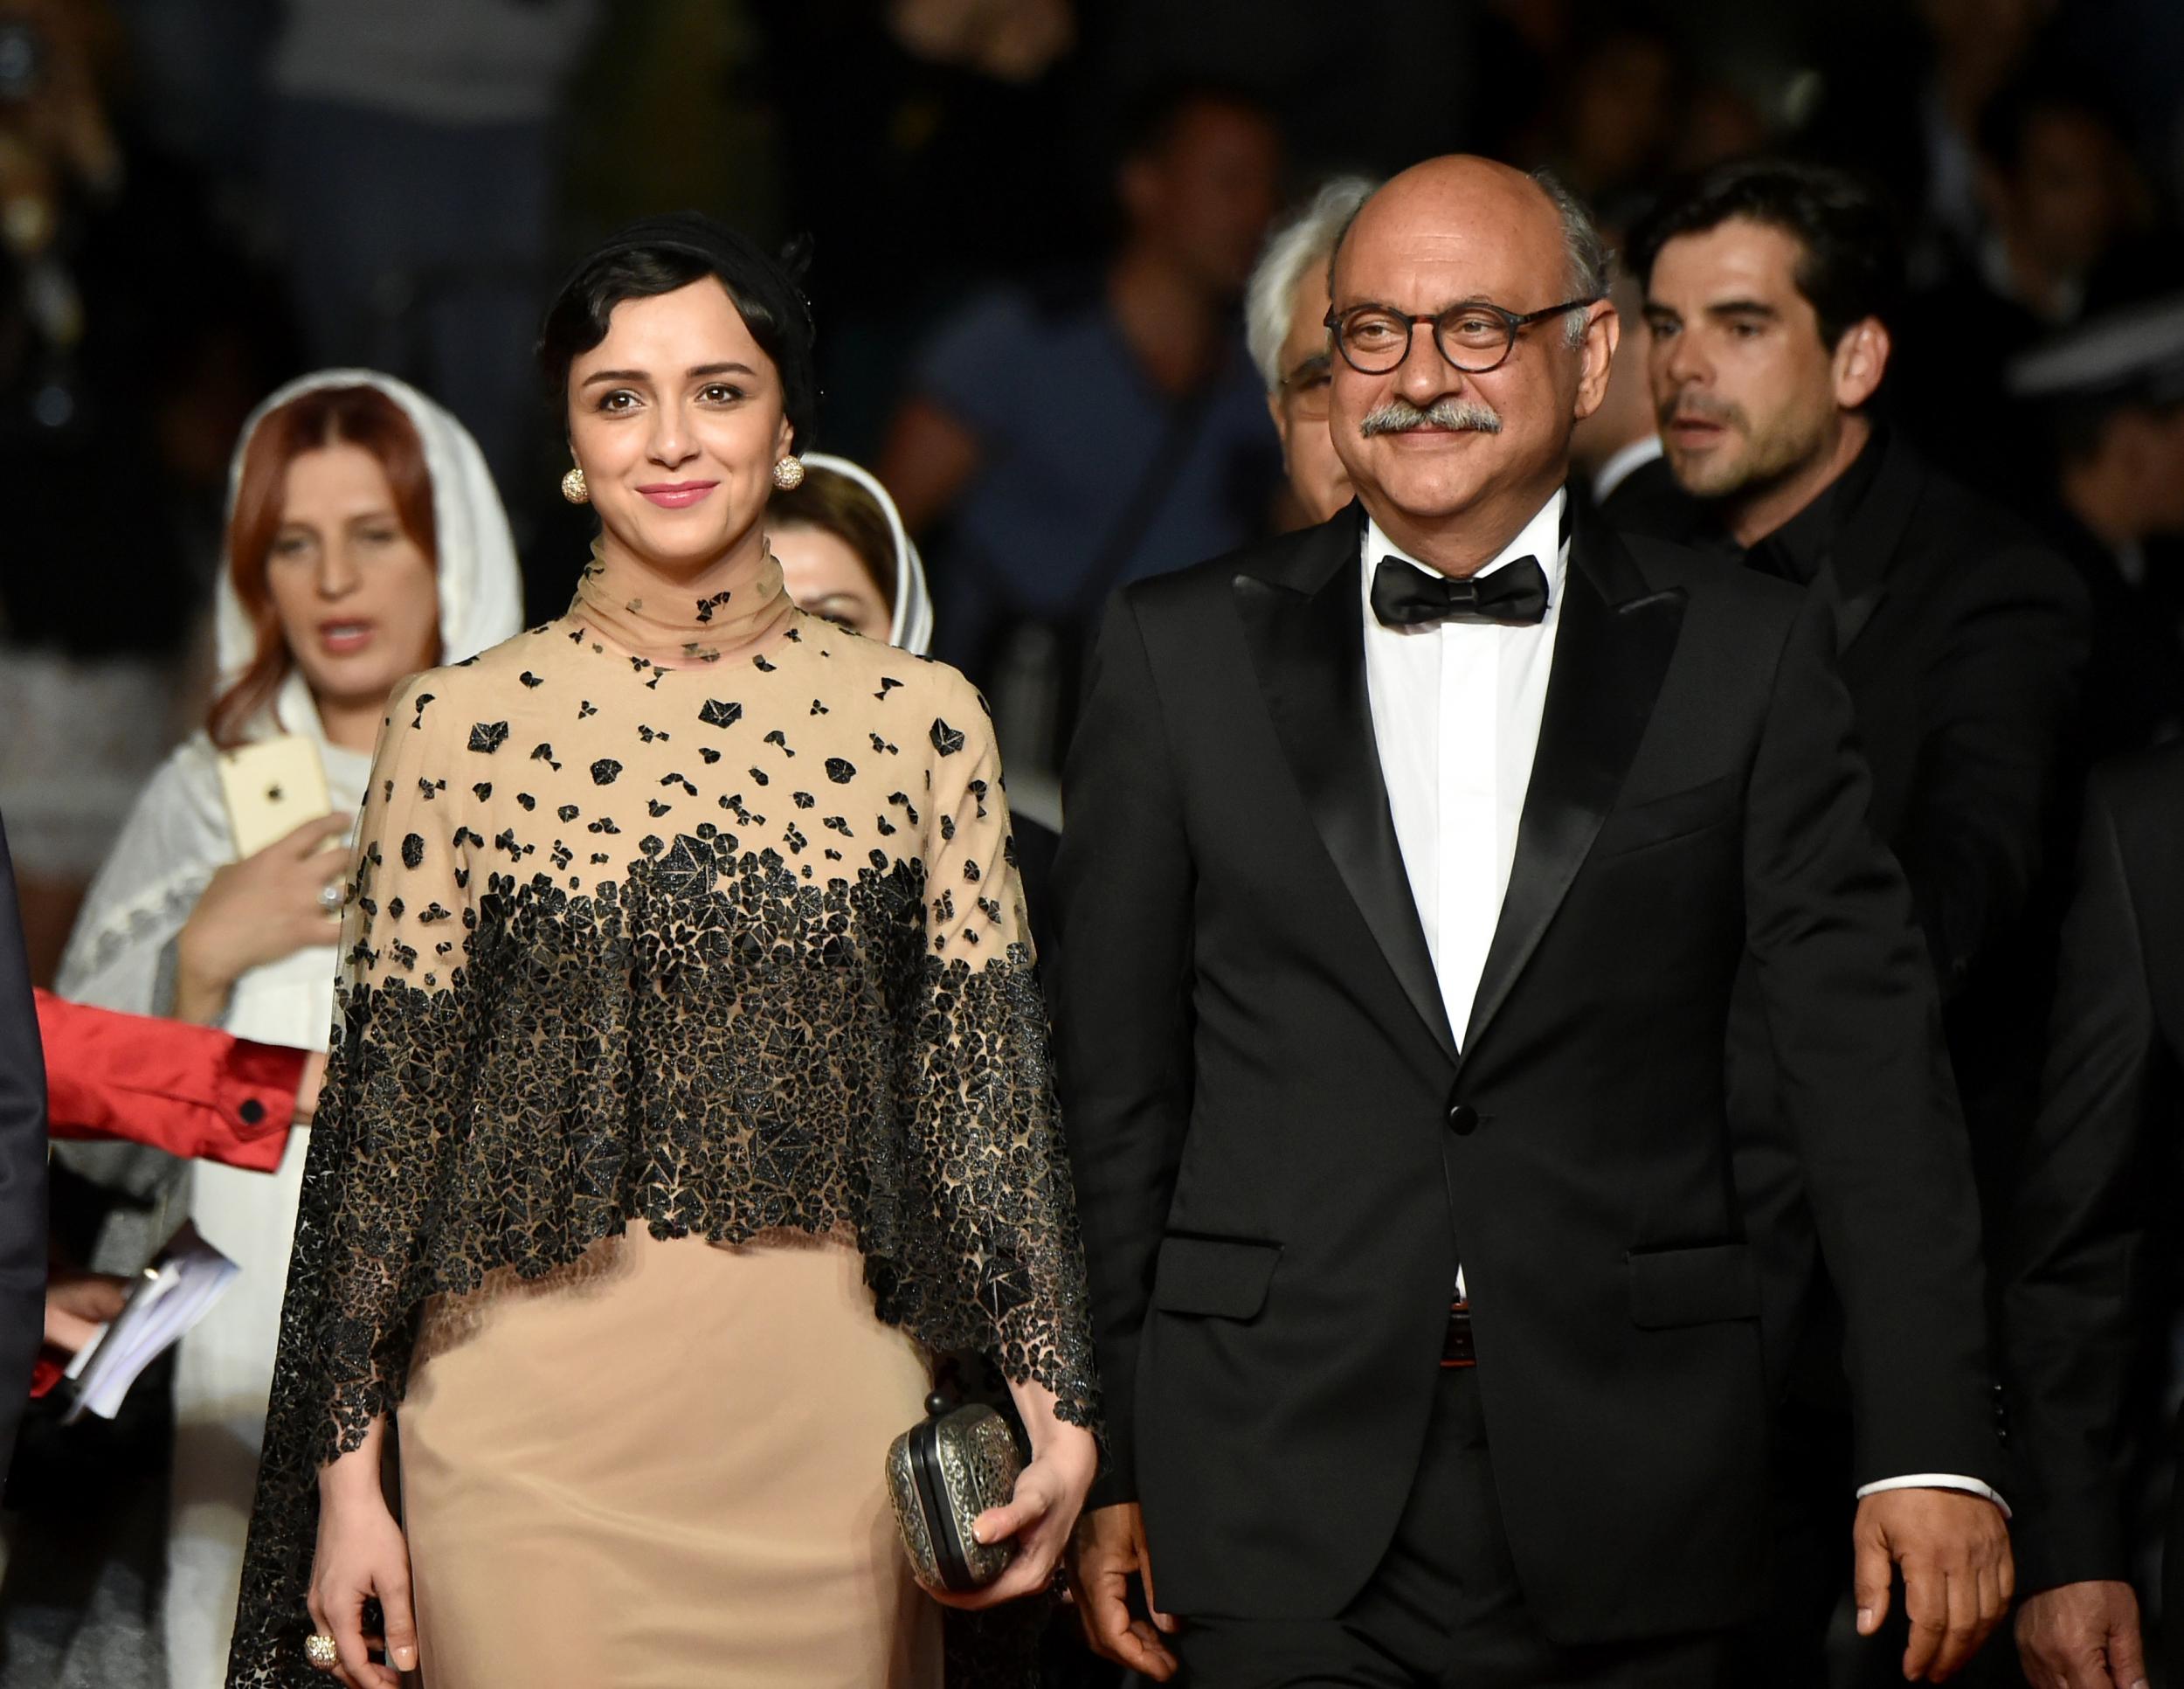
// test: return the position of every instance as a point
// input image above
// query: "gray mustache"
(1454, 416)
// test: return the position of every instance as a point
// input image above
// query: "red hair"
(353, 416)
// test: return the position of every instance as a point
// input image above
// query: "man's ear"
(1281, 415)
(1603, 332)
(1861, 360)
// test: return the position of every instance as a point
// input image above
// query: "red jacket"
(193, 1091)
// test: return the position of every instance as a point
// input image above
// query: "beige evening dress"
(690, 1082)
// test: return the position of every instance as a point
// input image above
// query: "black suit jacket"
(2092, 1185)
(1282, 1150)
(1961, 638)
(21, 1169)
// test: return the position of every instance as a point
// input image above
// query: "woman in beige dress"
(689, 1087)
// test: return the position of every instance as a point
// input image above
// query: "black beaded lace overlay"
(714, 1025)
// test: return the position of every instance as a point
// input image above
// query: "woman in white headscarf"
(844, 554)
(365, 543)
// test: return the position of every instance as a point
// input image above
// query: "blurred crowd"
(1029, 228)
(1068, 264)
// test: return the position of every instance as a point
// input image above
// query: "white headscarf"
(913, 625)
(177, 835)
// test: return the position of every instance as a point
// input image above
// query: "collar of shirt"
(1540, 538)
(1799, 550)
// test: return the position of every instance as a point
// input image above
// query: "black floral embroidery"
(713, 1034)
(489, 735)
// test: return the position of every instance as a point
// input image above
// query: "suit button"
(1463, 1118)
(252, 1111)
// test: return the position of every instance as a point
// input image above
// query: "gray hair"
(1587, 264)
(1305, 239)
(1586, 261)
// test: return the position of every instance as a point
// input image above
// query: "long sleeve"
(1990, 765)
(193, 1091)
(985, 1158)
(1855, 1023)
(1127, 881)
(2079, 1234)
(22, 1168)
(396, 1078)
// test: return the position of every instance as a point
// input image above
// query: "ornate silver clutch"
(942, 1474)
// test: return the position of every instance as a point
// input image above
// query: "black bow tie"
(1406, 596)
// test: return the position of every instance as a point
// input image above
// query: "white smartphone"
(271, 788)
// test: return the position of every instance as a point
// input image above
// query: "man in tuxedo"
(21, 1169)
(2097, 1169)
(1412, 860)
(1770, 288)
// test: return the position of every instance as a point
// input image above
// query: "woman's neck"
(349, 725)
(679, 617)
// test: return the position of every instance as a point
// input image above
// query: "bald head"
(1451, 451)
(1461, 196)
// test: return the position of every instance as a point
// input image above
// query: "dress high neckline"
(681, 627)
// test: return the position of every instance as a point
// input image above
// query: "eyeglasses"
(1475, 337)
(1305, 389)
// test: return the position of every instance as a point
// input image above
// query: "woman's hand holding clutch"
(1042, 1512)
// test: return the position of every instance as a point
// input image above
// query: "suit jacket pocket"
(1658, 820)
(1226, 1276)
(1693, 1287)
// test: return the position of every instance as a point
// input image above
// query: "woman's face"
(676, 420)
(824, 575)
(357, 599)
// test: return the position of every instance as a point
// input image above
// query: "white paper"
(170, 1297)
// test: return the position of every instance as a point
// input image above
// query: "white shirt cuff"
(1937, 1481)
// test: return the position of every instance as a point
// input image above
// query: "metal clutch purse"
(942, 1474)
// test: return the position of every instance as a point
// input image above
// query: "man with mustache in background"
(1411, 860)
(1769, 290)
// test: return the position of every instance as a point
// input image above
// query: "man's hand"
(1958, 1575)
(1110, 1546)
(2083, 1635)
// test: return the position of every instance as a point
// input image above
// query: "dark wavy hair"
(659, 255)
(1852, 265)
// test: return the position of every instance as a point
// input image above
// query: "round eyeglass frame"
(1512, 324)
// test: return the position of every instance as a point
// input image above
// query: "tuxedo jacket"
(2095, 1173)
(1282, 1150)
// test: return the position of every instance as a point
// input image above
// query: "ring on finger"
(330, 896)
(322, 1651)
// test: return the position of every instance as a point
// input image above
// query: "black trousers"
(1443, 1608)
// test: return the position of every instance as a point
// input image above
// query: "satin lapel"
(1308, 648)
(1611, 651)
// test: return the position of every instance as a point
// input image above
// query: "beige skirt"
(662, 1467)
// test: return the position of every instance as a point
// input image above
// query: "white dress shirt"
(1455, 717)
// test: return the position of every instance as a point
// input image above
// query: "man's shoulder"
(1963, 535)
(1300, 560)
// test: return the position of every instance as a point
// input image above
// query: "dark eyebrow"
(693, 373)
(1741, 308)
